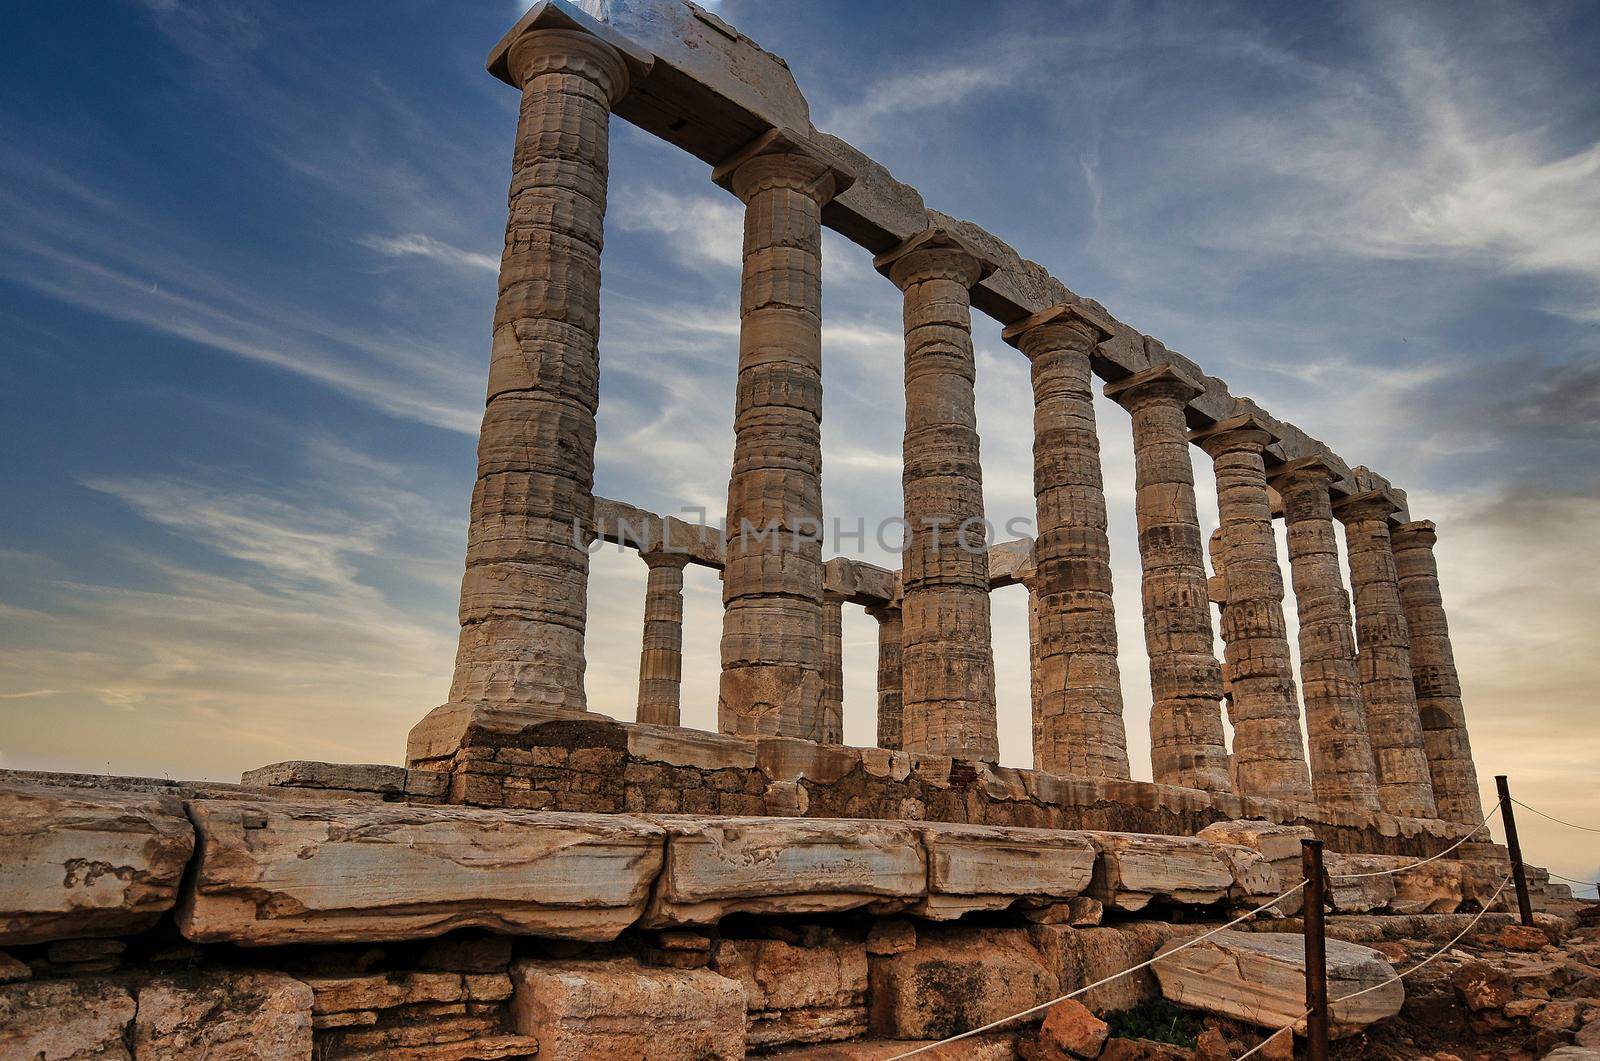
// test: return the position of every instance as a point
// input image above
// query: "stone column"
(1342, 771)
(1433, 674)
(891, 716)
(523, 598)
(772, 583)
(832, 669)
(661, 657)
(946, 654)
(1077, 721)
(1269, 758)
(1187, 744)
(1405, 787)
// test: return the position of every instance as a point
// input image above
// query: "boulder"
(230, 1016)
(84, 863)
(1521, 937)
(955, 980)
(624, 1011)
(718, 866)
(973, 867)
(797, 994)
(1072, 1031)
(1357, 884)
(1277, 845)
(1259, 978)
(274, 873)
(1133, 869)
(65, 1020)
(1084, 956)
(1431, 888)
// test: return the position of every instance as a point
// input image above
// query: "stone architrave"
(772, 682)
(524, 595)
(1405, 786)
(946, 653)
(1187, 744)
(891, 688)
(1342, 771)
(1269, 759)
(1433, 674)
(832, 669)
(1077, 721)
(661, 653)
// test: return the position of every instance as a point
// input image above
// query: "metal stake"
(1316, 951)
(1513, 848)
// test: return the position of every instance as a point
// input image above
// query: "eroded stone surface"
(65, 1020)
(1259, 978)
(955, 980)
(1134, 869)
(973, 868)
(281, 873)
(618, 1009)
(84, 863)
(227, 1016)
(797, 994)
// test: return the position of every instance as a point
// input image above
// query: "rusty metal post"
(1513, 848)
(1316, 951)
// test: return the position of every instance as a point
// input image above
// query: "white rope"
(1552, 817)
(1082, 990)
(1401, 976)
(1263, 1043)
(1569, 880)
(1431, 858)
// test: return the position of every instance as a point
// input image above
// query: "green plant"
(1158, 1020)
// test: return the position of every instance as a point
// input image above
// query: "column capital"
(1421, 532)
(665, 558)
(1159, 382)
(783, 158)
(1308, 471)
(551, 38)
(1067, 322)
(1374, 504)
(1246, 431)
(935, 253)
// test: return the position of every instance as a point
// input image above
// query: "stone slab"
(1260, 978)
(78, 862)
(1135, 869)
(989, 868)
(719, 866)
(310, 873)
(65, 1020)
(230, 1016)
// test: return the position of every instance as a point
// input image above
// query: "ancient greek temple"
(1381, 698)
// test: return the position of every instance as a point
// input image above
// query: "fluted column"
(772, 584)
(1187, 744)
(832, 668)
(523, 598)
(1433, 674)
(1342, 770)
(947, 657)
(1269, 758)
(891, 701)
(661, 655)
(1405, 786)
(1077, 722)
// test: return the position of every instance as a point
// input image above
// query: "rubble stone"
(65, 1020)
(955, 980)
(228, 1016)
(797, 994)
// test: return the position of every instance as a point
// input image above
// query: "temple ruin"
(540, 879)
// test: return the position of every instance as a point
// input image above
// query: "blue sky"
(247, 260)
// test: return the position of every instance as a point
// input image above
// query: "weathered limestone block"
(80, 863)
(797, 994)
(1260, 978)
(955, 980)
(1077, 721)
(1405, 787)
(1353, 889)
(623, 1011)
(772, 585)
(230, 1016)
(1188, 746)
(1134, 869)
(716, 867)
(286, 873)
(65, 1020)
(387, 781)
(1277, 845)
(946, 655)
(989, 868)
(1084, 956)
(1268, 757)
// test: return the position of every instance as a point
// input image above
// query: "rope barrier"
(1553, 818)
(1424, 862)
(1262, 1045)
(1106, 980)
(1569, 880)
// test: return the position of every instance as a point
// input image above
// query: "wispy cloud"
(413, 244)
